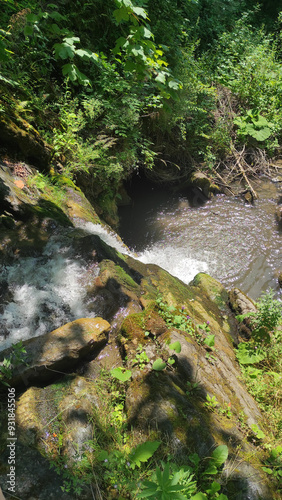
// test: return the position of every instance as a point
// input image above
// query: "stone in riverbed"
(59, 350)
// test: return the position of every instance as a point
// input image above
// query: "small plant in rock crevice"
(9, 364)
(141, 359)
(175, 317)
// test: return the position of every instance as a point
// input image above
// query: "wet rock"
(204, 183)
(241, 304)
(280, 278)
(278, 213)
(59, 350)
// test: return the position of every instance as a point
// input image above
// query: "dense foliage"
(136, 84)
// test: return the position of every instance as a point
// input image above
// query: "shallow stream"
(235, 242)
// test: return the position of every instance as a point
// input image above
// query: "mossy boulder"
(59, 350)
(137, 327)
(204, 183)
(20, 135)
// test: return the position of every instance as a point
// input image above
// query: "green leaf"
(140, 12)
(220, 455)
(161, 77)
(176, 346)
(209, 341)
(56, 16)
(55, 29)
(63, 50)
(174, 85)
(146, 33)
(259, 434)
(70, 71)
(121, 375)
(121, 14)
(103, 455)
(199, 496)
(267, 470)
(261, 135)
(72, 40)
(87, 54)
(28, 30)
(159, 365)
(248, 355)
(261, 122)
(165, 477)
(32, 18)
(144, 451)
(214, 488)
(211, 469)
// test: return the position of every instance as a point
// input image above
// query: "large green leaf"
(70, 71)
(176, 346)
(261, 135)
(87, 54)
(220, 455)
(140, 12)
(159, 365)
(120, 374)
(199, 496)
(121, 14)
(143, 452)
(64, 50)
(248, 355)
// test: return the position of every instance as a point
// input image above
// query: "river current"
(237, 243)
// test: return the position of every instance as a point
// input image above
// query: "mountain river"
(235, 242)
(238, 244)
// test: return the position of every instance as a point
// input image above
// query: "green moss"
(133, 327)
(62, 181)
(125, 278)
(48, 209)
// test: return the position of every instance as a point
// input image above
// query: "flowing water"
(237, 243)
(40, 294)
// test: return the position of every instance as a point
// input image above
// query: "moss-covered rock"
(59, 350)
(20, 135)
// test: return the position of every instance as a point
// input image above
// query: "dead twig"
(223, 183)
(238, 163)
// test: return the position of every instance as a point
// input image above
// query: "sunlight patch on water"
(173, 260)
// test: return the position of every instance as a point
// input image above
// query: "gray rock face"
(241, 304)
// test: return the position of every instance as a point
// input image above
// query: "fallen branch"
(223, 183)
(238, 163)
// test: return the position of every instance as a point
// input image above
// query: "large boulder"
(58, 351)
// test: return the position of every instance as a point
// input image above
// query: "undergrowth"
(261, 364)
(118, 462)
